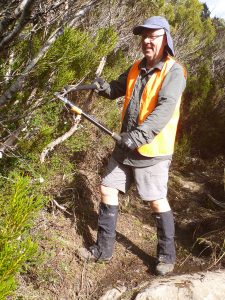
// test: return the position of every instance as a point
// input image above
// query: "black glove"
(101, 84)
(126, 142)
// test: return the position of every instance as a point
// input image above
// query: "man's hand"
(101, 84)
(126, 142)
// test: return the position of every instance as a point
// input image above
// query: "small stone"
(114, 294)
(41, 179)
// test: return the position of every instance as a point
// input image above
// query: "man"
(152, 89)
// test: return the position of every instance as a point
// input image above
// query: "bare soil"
(63, 228)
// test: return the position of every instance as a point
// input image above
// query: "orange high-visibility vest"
(163, 143)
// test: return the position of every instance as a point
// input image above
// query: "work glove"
(126, 142)
(101, 84)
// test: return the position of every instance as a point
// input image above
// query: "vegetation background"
(46, 45)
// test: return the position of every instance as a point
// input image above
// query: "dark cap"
(157, 22)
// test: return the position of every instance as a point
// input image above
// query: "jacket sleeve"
(116, 88)
(171, 90)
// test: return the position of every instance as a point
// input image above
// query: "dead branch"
(85, 9)
(98, 73)
(218, 203)
(61, 207)
(60, 139)
(7, 18)
(20, 80)
(100, 67)
(9, 143)
(24, 19)
(65, 136)
(17, 85)
(21, 7)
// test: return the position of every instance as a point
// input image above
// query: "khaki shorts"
(151, 182)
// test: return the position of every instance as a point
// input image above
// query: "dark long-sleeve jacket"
(171, 90)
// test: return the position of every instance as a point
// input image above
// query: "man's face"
(153, 42)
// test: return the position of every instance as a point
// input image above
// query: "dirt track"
(62, 275)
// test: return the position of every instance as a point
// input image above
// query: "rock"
(192, 186)
(114, 293)
(198, 286)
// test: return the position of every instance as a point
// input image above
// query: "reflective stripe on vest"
(163, 143)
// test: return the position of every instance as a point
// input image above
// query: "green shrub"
(202, 117)
(19, 206)
(74, 55)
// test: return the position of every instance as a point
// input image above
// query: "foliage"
(191, 32)
(183, 148)
(19, 207)
(74, 55)
(117, 63)
(203, 122)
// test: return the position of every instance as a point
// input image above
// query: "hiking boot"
(164, 268)
(90, 255)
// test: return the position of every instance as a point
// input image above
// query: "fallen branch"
(218, 203)
(60, 139)
(61, 207)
